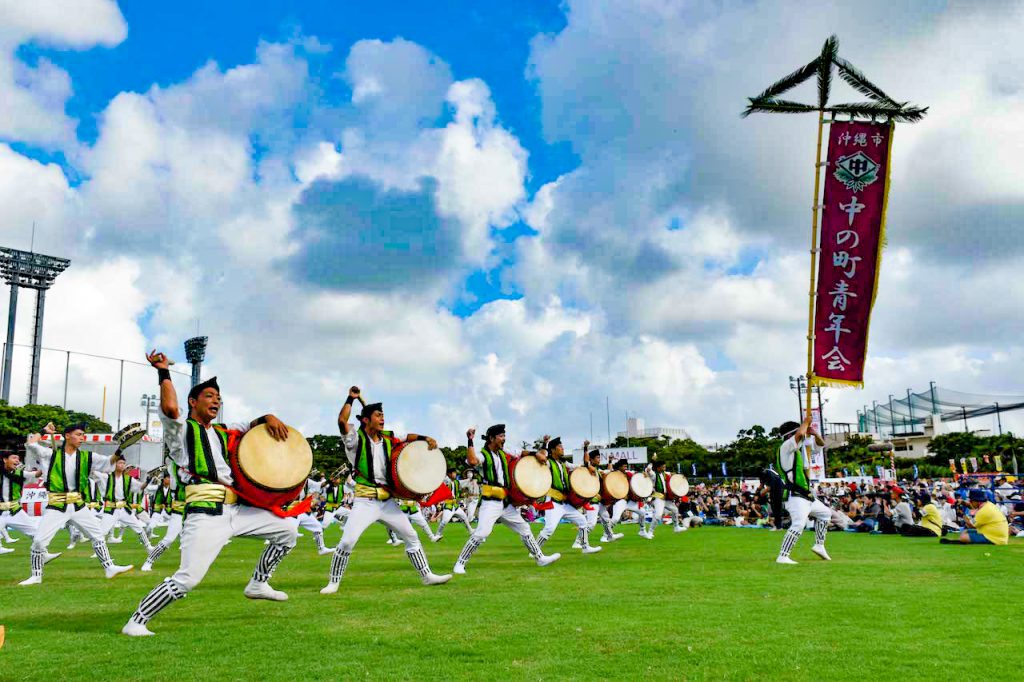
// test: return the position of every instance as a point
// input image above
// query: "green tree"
(328, 453)
(17, 422)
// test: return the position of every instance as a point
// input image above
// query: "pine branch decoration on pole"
(879, 106)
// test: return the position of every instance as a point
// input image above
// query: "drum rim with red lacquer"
(270, 494)
(578, 498)
(632, 494)
(515, 494)
(670, 491)
(400, 488)
(607, 497)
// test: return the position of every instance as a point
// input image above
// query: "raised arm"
(346, 409)
(471, 458)
(168, 396)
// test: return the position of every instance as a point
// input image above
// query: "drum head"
(641, 485)
(584, 483)
(616, 484)
(678, 484)
(271, 464)
(531, 477)
(419, 468)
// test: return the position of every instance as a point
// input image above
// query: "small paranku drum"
(531, 480)
(270, 473)
(677, 486)
(614, 487)
(416, 470)
(640, 487)
(583, 486)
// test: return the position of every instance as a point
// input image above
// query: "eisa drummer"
(494, 492)
(562, 506)
(368, 449)
(213, 512)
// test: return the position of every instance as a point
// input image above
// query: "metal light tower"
(150, 402)
(195, 352)
(24, 269)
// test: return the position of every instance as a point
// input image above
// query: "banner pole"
(811, 292)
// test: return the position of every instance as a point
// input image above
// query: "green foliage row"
(18, 422)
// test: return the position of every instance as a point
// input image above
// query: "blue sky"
(166, 43)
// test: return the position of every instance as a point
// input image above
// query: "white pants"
(53, 520)
(471, 506)
(658, 507)
(492, 511)
(617, 509)
(174, 524)
(20, 521)
(562, 510)
(591, 515)
(157, 520)
(418, 519)
(309, 522)
(366, 511)
(338, 516)
(123, 517)
(204, 535)
(799, 509)
(449, 515)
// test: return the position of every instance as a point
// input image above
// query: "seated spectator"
(931, 520)
(989, 526)
(902, 514)
(1016, 518)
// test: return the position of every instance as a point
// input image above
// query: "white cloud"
(32, 96)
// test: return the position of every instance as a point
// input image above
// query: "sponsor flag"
(852, 239)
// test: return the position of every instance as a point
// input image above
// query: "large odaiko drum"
(531, 480)
(270, 473)
(583, 487)
(416, 470)
(614, 487)
(640, 487)
(677, 486)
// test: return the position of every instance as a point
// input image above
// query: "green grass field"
(706, 604)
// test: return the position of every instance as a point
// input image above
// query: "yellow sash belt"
(372, 492)
(493, 492)
(57, 499)
(177, 506)
(209, 492)
(660, 496)
(9, 506)
(556, 495)
(114, 505)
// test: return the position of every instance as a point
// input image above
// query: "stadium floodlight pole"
(999, 420)
(880, 106)
(874, 410)
(931, 388)
(150, 402)
(195, 353)
(29, 270)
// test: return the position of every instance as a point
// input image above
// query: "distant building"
(635, 428)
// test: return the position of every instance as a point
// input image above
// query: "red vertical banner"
(852, 237)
